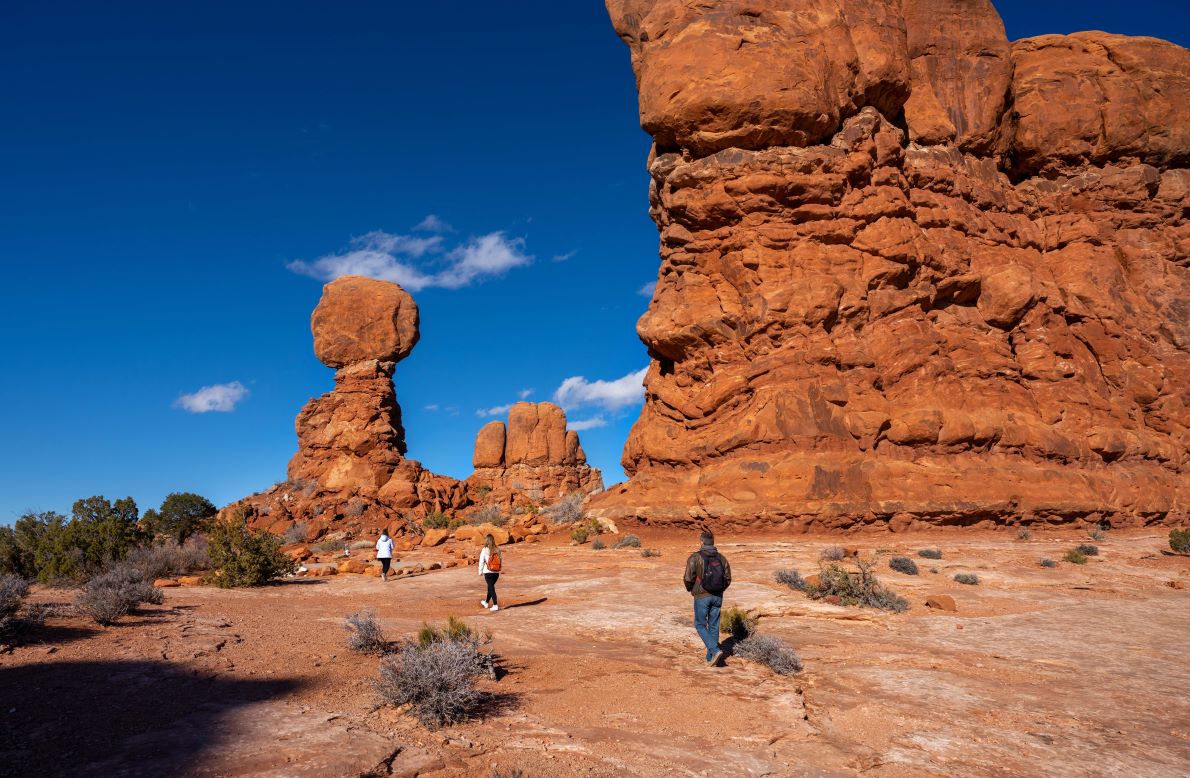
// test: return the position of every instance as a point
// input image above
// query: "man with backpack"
(707, 576)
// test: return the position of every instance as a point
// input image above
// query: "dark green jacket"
(693, 576)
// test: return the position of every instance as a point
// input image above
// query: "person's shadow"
(525, 604)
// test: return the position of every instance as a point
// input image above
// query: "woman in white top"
(489, 568)
(384, 554)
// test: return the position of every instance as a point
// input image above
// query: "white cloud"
(587, 424)
(219, 397)
(566, 256)
(648, 289)
(524, 394)
(433, 224)
(431, 407)
(577, 391)
(499, 410)
(404, 260)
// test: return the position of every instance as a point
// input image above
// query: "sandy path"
(1073, 671)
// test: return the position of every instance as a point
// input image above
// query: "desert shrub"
(1024, 534)
(832, 554)
(1088, 549)
(1179, 540)
(456, 629)
(355, 509)
(579, 535)
(903, 564)
(245, 558)
(1076, 557)
(436, 520)
(107, 597)
(53, 549)
(650, 552)
(489, 515)
(568, 510)
(628, 541)
(181, 515)
(930, 553)
(1048, 563)
(598, 545)
(13, 590)
(295, 534)
(771, 651)
(791, 578)
(363, 633)
(594, 527)
(971, 579)
(326, 546)
(436, 681)
(164, 560)
(855, 588)
(737, 622)
(1097, 534)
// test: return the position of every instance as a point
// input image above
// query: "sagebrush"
(628, 541)
(1088, 549)
(855, 587)
(168, 559)
(489, 515)
(650, 552)
(970, 579)
(737, 622)
(833, 554)
(1075, 557)
(1024, 534)
(770, 651)
(364, 634)
(579, 535)
(930, 553)
(107, 597)
(903, 564)
(791, 578)
(568, 510)
(598, 544)
(13, 590)
(1048, 563)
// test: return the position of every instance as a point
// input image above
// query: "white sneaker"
(484, 603)
(494, 608)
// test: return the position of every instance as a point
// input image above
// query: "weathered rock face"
(534, 459)
(852, 326)
(350, 470)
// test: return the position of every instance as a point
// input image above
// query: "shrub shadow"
(138, 718)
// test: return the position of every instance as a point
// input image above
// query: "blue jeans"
(706, 621)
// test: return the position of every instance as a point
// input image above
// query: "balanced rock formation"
(911, 273)
(534, 459)
(350, 469)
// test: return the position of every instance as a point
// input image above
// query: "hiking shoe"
(484, 603)
(717, 659)
(494, 608)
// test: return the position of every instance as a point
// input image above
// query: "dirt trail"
(1079, 670)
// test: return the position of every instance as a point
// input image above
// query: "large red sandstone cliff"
(910, 272)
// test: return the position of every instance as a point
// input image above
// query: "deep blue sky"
(163, 163)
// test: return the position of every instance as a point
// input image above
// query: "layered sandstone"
(350, 469)
(910, 272)
(532, 459)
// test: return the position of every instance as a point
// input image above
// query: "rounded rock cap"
(362, 318)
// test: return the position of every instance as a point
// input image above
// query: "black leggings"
(384, 563)
(491, 578)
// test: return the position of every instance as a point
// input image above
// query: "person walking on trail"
(707, 576)
(384, 554)
(489, 568)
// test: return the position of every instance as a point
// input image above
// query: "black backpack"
(713, 578)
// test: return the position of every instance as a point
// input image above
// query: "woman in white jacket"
(489, 568)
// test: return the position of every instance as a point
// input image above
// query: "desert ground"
(1078, 670)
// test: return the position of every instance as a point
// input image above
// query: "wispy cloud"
(566, 256)
(525, 394)
(577, 391)
(587, 424)
(648, 289)
(419, 262)
(432, 407)
(498, 410)
(433, 224)
(218, 397)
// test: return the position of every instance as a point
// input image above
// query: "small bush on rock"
(579, 535)
(1088, 549)
(105, 598)
(771, 651)
(436, 520)
(737, 622)
(833, 554)
(1075, 557)
(628, 541)
(598, 545)
(971, 579)
(930, 553)
(1048, 563)
(245, 558)
(363, 633)
(568, 510)
(791, 578)
(1024, 534)
(1097, 534)
(489, 515)
(855, 588)
(903, 564)
(1179, 540)
(649, 552)
(295, 534)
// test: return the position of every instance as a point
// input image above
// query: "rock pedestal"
(911, 273)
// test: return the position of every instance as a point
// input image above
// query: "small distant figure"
(489, 567)
(384, 554)
(707, 576)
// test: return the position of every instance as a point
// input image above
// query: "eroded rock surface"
(982, 318)
(533, 458)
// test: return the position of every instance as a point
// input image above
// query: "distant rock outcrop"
(535, 458)
(911, 273)
(350, 469)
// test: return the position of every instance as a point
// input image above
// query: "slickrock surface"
(1077, 670)
(984, 317)
(534, 458)
(350, 470)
